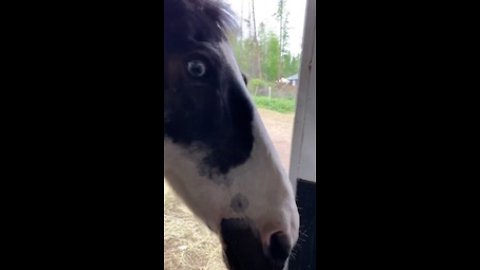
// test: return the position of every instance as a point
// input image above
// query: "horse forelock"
(197, 20)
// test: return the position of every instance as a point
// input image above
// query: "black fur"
(199, 20)
(211, 114)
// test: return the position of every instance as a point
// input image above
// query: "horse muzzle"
(243, 248)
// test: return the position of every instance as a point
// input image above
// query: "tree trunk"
(241, 22)
(256, 53)
(280, 38)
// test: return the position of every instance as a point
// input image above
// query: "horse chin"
(243, 249)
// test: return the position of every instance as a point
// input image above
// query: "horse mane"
(197, 20)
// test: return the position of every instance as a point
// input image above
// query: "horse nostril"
(279, 247)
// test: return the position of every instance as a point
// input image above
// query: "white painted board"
(303, 159)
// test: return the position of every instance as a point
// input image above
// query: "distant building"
(283, 80)
(293, 80)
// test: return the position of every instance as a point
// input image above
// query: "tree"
(241, 53)
(271, 58)
(262, 54)
(282, 17)
(291, 64)
(257, 72)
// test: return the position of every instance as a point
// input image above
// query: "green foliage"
(265, 56)
(282, 105)
(270, 57)
(291, 64)
(258, 83)
(243, 51)
(271, 60)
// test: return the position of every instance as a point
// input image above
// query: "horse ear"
(245, 79)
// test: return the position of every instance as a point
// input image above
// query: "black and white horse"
(218, 156)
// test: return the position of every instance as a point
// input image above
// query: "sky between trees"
(265, 10)
(269, 46)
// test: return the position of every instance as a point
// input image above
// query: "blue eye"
(196, 68)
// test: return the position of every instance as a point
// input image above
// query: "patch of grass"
(282, 105)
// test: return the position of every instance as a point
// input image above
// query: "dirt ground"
(188, 244)
(280, 129)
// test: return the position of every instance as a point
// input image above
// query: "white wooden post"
(303, 157)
